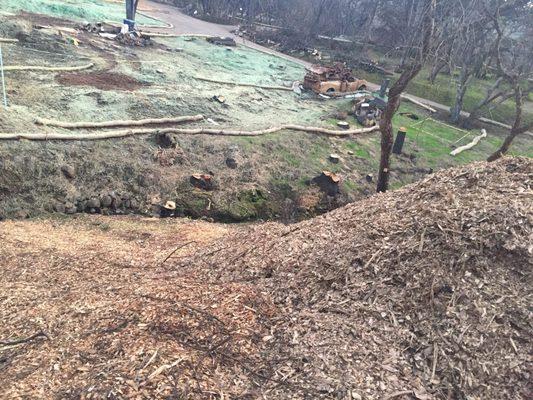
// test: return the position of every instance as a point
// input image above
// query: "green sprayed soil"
(77, 10)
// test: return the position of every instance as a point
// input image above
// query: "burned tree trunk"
(387, 139)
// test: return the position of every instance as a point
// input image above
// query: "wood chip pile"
(422, 293)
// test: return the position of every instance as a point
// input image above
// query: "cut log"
(468, 146)
(267, 87)
(118, 123)
(50, 69)
(424, 106)
(198, 131)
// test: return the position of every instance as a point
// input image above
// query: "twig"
(398, 394)
(24, 340)
(174, 252)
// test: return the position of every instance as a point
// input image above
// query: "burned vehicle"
(332, 80)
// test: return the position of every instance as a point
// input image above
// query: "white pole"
(3, 78)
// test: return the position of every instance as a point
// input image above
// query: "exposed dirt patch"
(101, 80)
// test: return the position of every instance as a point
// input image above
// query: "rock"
(222, 41)
(220, 99)
(22, 214)
(68, 171)
(117, 202)
(81, 205)
(106, 201)
(70, 208)
(59, 207)
(351, 153)
(93, 203)
(231, 163)
(334, 158)
(356, 396)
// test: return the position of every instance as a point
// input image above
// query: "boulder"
(68, 171)
(93, 202)
(106, 201)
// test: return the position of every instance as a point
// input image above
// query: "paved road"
(187, 25)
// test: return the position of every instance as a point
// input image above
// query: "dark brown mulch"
(101, 80)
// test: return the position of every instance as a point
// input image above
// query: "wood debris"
(422, 293)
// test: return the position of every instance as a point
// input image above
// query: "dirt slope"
(422, 293)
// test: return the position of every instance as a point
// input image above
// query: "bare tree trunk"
(437, 67)
(387, 136)
(455, 112)
(367, 27)
(516, 130)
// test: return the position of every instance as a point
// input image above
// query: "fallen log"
(51, 69)
(287, 89)
(468, 146)
(8, 40)
(424, 106)
(118, 123)
(198, 131)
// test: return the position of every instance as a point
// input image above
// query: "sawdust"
(423, 293)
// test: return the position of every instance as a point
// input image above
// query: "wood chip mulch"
(421, 293)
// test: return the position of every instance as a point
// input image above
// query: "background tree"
(514, 62)
(422, 49)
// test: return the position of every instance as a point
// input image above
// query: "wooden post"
(400, 140)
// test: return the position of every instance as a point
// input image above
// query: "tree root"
(51, 69)
(118, 123)
(287, 89)
(199, 131)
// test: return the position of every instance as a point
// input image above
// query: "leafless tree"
(514, 65)
(422, 49)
